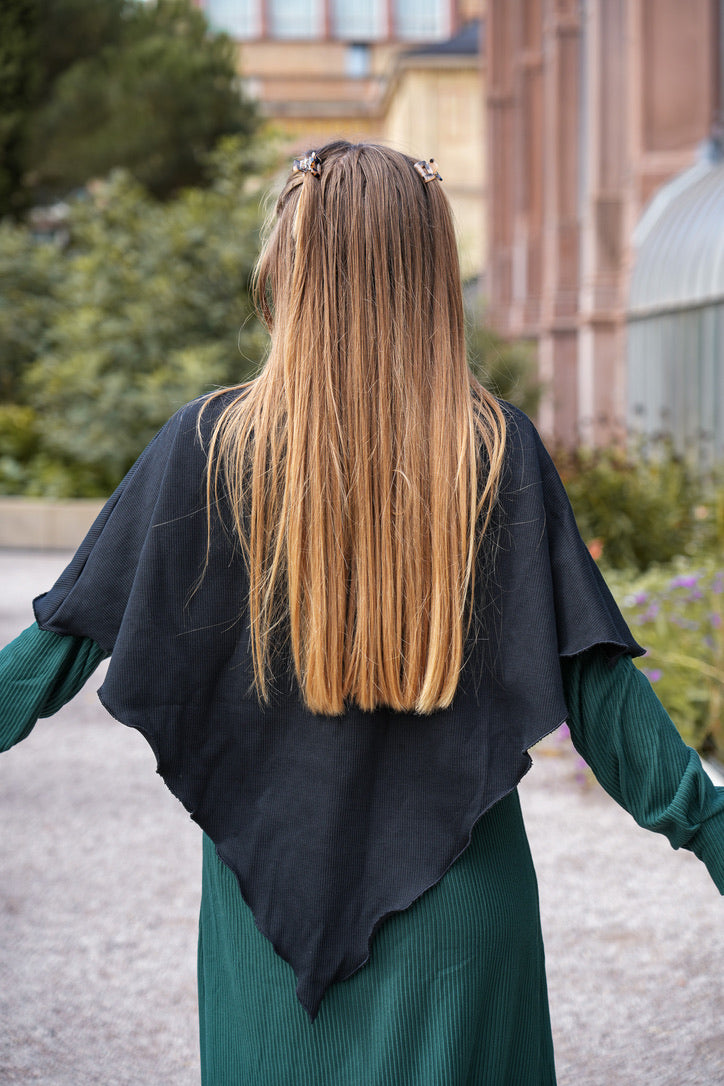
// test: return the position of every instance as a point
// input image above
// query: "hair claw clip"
(428, 170)
(309, 163)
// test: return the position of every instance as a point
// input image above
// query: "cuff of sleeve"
(708, 845)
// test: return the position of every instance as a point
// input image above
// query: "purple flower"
(686, 580)
(640, 598)
(653, 674)
(581, 771)
(715, 619)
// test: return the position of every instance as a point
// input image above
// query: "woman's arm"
(624, 733)
(39, 672)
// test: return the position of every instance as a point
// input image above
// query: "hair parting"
(362, 465)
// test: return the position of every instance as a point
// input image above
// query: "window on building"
(360, 20)
(424, 20)
(350, 20)
(296, 18)
(239, 18)
(357, 60)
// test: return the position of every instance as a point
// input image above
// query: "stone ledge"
(36, 524)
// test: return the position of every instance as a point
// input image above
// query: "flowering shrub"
(637, 506)
(677, 615)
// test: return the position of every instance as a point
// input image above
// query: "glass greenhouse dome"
(675, 330)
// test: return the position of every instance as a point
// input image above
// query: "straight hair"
(362, 464)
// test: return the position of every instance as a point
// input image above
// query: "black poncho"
(329, 824)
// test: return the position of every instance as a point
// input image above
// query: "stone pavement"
(99, 884)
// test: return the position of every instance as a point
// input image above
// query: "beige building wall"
(424, 104)
(306, 92)
(435, 109)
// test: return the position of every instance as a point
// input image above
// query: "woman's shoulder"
(195, 421)
(523, 444)
(208, 406)
(527, 465)
(518, 424)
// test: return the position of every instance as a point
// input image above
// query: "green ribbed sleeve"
(39, 672)
(624, 733)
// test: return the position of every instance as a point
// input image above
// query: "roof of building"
(679, 241)
(465, 43)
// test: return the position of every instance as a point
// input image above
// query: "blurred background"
(580, 143)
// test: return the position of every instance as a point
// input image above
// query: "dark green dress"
(454, 991)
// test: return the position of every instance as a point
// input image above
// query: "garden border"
(40, 524)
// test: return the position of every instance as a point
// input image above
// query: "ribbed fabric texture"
(624, 733)
(454, 991)
(39, 673)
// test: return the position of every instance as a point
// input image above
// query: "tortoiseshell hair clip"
(428, 170)
(309, 163)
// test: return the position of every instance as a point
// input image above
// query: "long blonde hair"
(362, 464)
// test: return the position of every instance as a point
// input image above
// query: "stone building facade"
(591, 106)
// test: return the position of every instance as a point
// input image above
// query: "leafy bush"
(19, 445)
(506, 368)
(710, 516)
(30, 273)
(634, 510)
(677, 614)
(146, 308)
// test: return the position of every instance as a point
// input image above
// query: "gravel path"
(99, 884)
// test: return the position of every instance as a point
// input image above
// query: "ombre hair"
(362, 464)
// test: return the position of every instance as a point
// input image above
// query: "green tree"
(149, 308)
(20, 79)
(90, 85)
